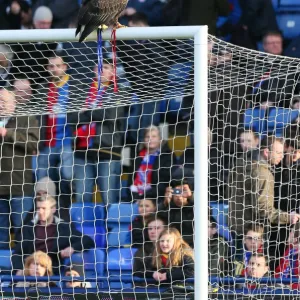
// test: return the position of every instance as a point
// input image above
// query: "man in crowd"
(22, 90)
(251, 192)
(55, 158)
(18, 141)
(49, 234)
(273, 43)
(6, 56)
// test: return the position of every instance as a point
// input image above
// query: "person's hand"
(20, 273)
(163, 276)
(129, 11)
(294, 218)
(156, 276)
(168, 196)
(67, 252)
(186, 192)
(15, 8)
(3, 131)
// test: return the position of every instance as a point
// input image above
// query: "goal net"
(97, 185)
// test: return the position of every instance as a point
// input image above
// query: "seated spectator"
(38, 264)
(63, 11)
(253, 243)
(153, 10)
(49, 234)
(6, 57)
(147, 208)
(273, 43)
(218, 251)
(99, 139)
(152, 165)
(172, 259)
(143, 257)
(76, 271)
(22, 90)
(178, 204)
(17, 15)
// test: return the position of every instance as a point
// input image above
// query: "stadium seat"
(289, 24)
(122, 213)
(5, 260)
(254, 119)
(96, 233)
(94, 261)
(119, 236)
(120, 262)
(87, 213)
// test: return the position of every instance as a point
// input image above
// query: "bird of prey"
(99, 13)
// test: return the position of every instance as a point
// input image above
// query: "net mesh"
(90, 144)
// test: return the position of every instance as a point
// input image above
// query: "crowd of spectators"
(77, 151)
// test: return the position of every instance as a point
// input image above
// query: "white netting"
(84, 139)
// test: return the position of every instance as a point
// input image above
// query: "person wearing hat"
(178, 204)
(99, 139)
(42, 18)
(76, 271)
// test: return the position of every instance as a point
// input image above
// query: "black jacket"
(138, 232)
(67, 236)
(181, 218)
(110, 126)
(143, 259)
(161, 172)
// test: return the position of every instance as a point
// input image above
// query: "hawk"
(99, 13)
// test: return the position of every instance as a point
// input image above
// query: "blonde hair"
(152, 128)
(180, 249)
(41, 258)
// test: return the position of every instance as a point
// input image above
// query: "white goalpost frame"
(200, 36)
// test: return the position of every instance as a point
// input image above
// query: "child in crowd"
(147, 207)
(217, 251)
(38, 264)
(172, 258)
(75, 271)
(253, 243)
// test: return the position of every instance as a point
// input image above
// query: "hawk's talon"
(103, 27)
(118, 26)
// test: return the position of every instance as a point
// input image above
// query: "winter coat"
(16, 149)
(251, 196)
(143, 259)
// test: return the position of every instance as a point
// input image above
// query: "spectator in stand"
(218, 251)
(19, 138)
(172, 259)
(38, 264)
(22, 90)
(143, 257)
(63, 11)
(178, 204)
(49, 234)
(273, 42)
(152, 165)
(153, 10)
(195, 12)
(253, 243)
(55, 157)
(16, 14)
(99, 138)
(6, 57)
(147, 208)
(32, 58)
(251, 192)
(76, 271)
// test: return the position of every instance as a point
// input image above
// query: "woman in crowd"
(152, 165)
(38, 264)
(172, 259)
(143, 257)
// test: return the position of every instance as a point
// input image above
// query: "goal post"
(198, 37)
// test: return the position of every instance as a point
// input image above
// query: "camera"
(177, 192)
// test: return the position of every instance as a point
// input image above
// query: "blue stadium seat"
(254, 119)
(5, 260)
(96, 233)
(94, 261)
(289, 24)
(120, 262)
(279, 118)
(122, 213)
(87, 213)
(119, 236)
(220, 214)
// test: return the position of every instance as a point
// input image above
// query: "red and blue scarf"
(289, 264)
(58, 132)
(143, 177)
